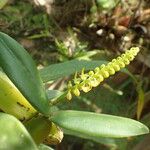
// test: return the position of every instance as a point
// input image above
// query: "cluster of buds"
(86, 81)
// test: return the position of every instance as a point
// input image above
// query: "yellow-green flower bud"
(86, 87)
(76, 80)
(129, 56)
(116, 67)
(83, 76)
(96, 70)
(105, 73)
(91, 73)
(76, 91)
(120, 62)
(111, 70)
(100, 78)
(94, 82)
(69, 85)
(69, 95)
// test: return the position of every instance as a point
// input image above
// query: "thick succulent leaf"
(56, 71)
(97, 125)
(12, 101)
(22, 71)
(44, 147)
(13, 135)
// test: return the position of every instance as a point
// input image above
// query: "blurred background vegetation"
(55, 31)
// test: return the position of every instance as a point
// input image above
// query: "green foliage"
(97, 125)
(140, 101)
(106, 5)
(110, 27)
(21, 69)
(13, 135)
(71, 48)
(21, 16)
(14, 100)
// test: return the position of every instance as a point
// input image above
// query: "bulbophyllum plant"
(29, 119)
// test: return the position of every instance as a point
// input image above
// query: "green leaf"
(56, 71)
(97, 125)
(3, 3)
(141, 98)
(44, 147)
(13, 135)
(22, 71)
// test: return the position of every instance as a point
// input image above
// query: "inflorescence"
(85, 81)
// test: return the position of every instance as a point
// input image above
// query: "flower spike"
(86, 81)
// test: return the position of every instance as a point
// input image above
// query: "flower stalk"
(86, 81)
